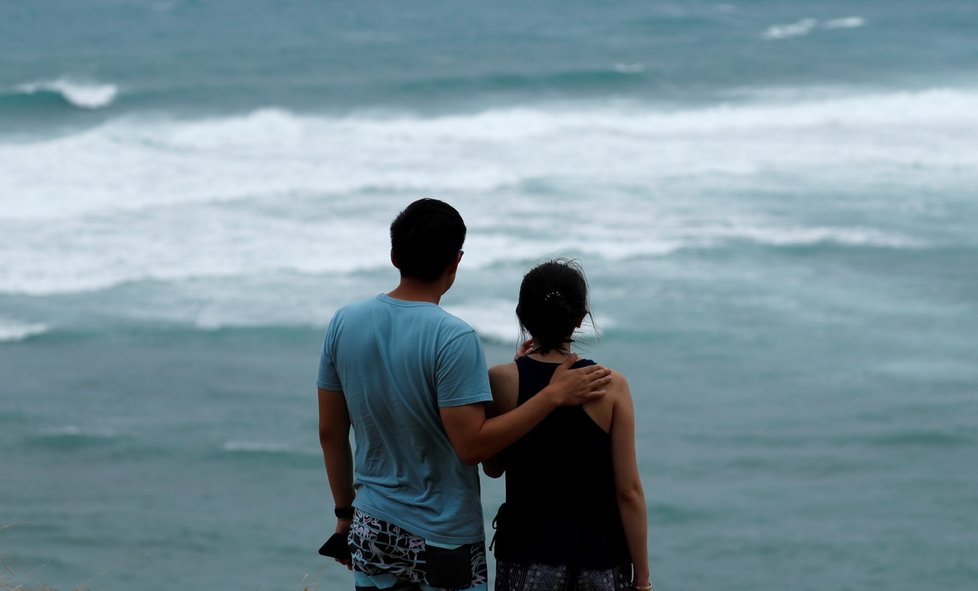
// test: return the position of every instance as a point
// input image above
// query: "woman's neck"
(553, 355)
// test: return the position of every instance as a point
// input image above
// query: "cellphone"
(336, 547)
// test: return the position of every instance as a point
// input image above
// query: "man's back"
(411, 380)
(397, 362)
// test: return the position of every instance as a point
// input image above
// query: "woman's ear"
(580, 321)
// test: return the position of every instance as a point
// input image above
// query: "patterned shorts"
(512, 576)
(384, 554)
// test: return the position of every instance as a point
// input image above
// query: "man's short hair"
(425, 238)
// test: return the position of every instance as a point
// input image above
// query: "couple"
(412, 382)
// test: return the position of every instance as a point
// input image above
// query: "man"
(411, 379)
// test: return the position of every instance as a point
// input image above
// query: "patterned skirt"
(513, 576)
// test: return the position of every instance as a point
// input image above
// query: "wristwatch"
(343, 512)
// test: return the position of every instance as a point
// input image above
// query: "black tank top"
(560, 505)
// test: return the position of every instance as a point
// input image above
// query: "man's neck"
(415, 290)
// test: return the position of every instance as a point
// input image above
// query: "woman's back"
(560, 486)
(575, 514)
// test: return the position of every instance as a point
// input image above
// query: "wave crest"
(83, 95)
(787, 31)
(11, 331)
(253, 196)
(806, 26)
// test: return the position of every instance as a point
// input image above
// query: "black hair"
(425, 238)
(553, 298)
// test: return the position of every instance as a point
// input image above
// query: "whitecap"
(278, 195)
(787, 31)
(62, 430)
(495, 320)
(256, 447)
(849, 22)
(146, 164)
(779, 235)
(12, 331)
(634, 68)
(85, 95)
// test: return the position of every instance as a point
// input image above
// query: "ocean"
(775, 204)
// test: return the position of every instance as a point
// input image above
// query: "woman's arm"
(631, 496)
(504, 383)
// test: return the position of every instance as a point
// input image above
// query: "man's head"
(426, 238)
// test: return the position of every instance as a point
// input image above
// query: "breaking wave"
(81, 95)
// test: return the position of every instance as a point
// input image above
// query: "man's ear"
(394, 260)
(453, 266)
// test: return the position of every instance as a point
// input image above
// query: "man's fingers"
(599, 374)
(588, 370)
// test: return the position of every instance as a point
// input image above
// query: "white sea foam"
(493, 319)
(257, 447)
(139, 164)
(787, 31)
(848, 22)
(802, 236)
(806, 26)
(77, 432)
(12, 331)
(496, 319)
(274, 193)
(85, 95)
(63, 430)
(634, 68)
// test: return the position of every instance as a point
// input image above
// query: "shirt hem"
(420, 531)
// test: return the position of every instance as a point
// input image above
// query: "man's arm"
(334, 437)
(476, 438)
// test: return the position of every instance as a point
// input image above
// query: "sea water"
(775, 204)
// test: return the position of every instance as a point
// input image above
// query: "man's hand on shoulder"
(570, 387)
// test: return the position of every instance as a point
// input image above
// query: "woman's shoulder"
(503, 370)
(618, 385)
(504, 381)
(617, 391)
(618, 378)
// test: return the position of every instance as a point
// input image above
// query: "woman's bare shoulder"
(504, 370)
(618, 378)
(618, 389)
(504, 381)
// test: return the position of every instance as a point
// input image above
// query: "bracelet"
(343, 512)
(645, 588)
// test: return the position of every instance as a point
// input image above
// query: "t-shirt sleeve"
(461, 373)
(328, 377)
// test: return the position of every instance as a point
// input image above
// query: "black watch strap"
(343, 512)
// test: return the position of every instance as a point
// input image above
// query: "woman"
(574, 516)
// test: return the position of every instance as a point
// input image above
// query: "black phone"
(336, 547)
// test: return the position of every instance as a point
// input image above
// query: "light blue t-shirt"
(397, 362)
